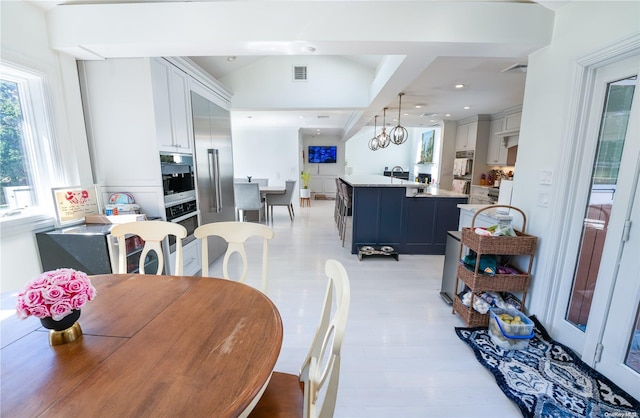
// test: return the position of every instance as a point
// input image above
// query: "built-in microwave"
(178, 177)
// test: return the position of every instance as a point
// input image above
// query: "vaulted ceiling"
(359, 55)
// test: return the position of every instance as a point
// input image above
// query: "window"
(26, 145)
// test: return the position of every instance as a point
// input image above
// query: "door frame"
(580, 155)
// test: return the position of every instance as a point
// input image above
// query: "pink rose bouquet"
(55, 294)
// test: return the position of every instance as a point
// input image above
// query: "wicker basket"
(521, 244)
(495, 283)
(472, 317)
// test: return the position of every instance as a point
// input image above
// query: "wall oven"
(185, 214)
(178, 177)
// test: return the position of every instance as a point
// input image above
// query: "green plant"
(305, 176)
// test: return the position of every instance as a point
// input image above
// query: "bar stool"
(336, 211)
(346, 206)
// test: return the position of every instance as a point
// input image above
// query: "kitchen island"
(412, 218)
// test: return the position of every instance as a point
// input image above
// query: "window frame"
(41, 148)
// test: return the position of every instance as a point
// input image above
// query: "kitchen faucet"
(394, 169)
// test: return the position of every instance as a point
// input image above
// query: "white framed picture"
(73, 203)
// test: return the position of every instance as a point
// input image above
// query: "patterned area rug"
(548, 379)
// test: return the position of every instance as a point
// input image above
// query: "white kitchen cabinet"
(496, 151)
(476, 132)
(122, 125)
(512, 121)
(466, 136)
(192, 263)
(172, 107)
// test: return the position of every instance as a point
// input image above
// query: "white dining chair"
(153, 234)
(247, 198)
(313, 392)
(282, 199)
(236, 234)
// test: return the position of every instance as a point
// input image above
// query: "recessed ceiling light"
(448, 115)
(459, 86)
(467, 108)
(232, 58)
(418, 106)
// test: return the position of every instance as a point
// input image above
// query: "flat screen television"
(322, 153)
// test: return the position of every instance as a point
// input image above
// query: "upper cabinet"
(171, 104)
(512, 122)
(122, 125)
(466, 136)
(503, 138)
(473, 135)
(496, 151)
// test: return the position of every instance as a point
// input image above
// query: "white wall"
(581, 28)
(266, 153)
(322, 89)
(25, 42)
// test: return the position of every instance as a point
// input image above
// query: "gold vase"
(65, 336)
(65, 330)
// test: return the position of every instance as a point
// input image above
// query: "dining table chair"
(247, 198)
(236, 234)
(282, 199)
(313, 392)
(153, 234)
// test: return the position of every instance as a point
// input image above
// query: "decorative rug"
(548, 379)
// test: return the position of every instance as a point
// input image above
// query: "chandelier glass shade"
(384, 139)
(399, 134)
(373, 142)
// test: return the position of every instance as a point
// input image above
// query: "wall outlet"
(543, 199)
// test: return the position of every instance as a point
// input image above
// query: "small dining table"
(267, 190)
(151, 346)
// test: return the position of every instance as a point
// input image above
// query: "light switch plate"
(546, 176)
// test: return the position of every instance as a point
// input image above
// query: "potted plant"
(305, 192)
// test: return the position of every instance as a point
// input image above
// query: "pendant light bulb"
(373, 142)
(399, 134)
(384, 139)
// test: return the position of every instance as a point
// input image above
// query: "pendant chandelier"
(373, 142)
(399, 134)
(384, 139)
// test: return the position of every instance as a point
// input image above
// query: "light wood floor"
(401, 357)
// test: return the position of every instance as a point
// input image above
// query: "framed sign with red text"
(72, 204)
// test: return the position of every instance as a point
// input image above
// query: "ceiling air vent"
(300, 73)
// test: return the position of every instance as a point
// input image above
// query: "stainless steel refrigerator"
(214, 166)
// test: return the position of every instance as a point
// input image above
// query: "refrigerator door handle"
(215, 198)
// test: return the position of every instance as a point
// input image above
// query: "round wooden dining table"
(151, 346)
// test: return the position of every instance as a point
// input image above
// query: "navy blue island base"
(385, 215)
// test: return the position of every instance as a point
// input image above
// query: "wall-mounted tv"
(322, 153)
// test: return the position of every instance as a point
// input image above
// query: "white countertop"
(373, 180)
(491, 213)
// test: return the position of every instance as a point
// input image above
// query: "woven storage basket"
(495, 283)
(521, 244)
(472, 317)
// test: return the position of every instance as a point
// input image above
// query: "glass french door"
(598, 313)
(604, 180)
